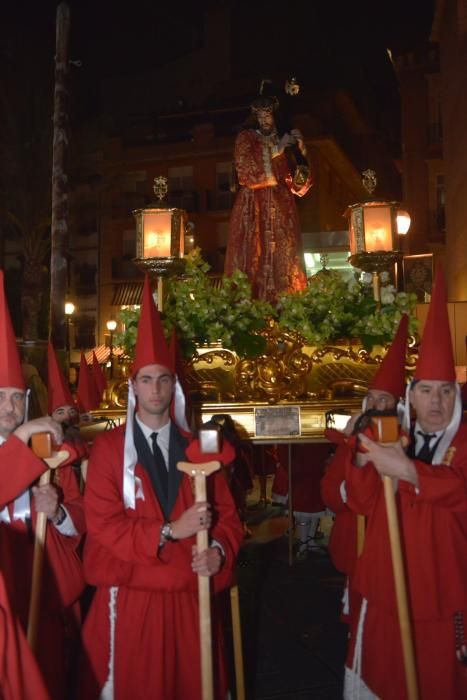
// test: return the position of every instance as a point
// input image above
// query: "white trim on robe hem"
(107, 692)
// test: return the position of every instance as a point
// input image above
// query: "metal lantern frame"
(165, 265)
(361, 254)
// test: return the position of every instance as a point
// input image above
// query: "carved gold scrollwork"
(210, 374)
(287, 370)
(119, 393)
(279, 373)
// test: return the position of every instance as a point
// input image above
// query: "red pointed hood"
(59, 391)
(151, 346)
(88, 395)
(390, 376)
(435, 356)
(99, 377)
(10, 364)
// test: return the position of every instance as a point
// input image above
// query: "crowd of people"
(125, 540)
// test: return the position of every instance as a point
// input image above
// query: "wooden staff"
(290, 515)
(199, 472)
(392, 435)
(360, 533)
(42, 447)
(237, 644)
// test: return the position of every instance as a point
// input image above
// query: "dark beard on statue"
(267, 132)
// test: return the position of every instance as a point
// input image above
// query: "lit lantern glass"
(373, 227)
(377, 228)
(160, 233)
(157, 235)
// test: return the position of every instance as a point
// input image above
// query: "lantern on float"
(375, 227)
(160, 237)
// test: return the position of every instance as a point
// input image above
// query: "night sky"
(327, 44)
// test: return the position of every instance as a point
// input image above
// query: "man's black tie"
(425, 454)
(161, 466)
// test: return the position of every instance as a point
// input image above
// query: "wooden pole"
(199, 472)
(360, 534)
(37, 567)
(290, 518)
(401, 590)
(160, 294)
(386, 429)
(39, 548)
(59, 233)
(237, 644)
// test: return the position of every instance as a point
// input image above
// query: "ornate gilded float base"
(288, 370)
(302, 382)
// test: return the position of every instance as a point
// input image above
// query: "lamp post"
(111, 326)
(374, 230)
(160, 238)
(69, 311)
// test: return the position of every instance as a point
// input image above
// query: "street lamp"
(69, 311)
(111, 326)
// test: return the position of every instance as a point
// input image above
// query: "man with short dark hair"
(141, 636)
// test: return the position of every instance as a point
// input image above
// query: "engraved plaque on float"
(277, 421)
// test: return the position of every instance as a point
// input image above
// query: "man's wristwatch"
(167, 533)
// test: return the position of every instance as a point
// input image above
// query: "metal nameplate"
(277, 421)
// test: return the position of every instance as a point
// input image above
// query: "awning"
(131, 293)
(102, 354)
(127, 294)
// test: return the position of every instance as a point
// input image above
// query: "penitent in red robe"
(264, 231)
(433, 525)
(307, 469)
(142, 628)
(343, 539)
(342, 544)
(62, 581)
(20, 678)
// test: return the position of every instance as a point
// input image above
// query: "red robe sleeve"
(130, 539)
(439, 485)
(251, 170)
(363, 484)
(248, 161)
(72, 500)
(20, 678)
(332, 480)
(343, 539)
(20, 468)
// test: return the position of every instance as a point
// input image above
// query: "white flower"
(367, 278)
(387, 297)
(384, 276)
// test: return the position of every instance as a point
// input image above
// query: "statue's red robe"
(264, 232)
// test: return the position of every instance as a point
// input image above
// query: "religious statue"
(264, 230)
